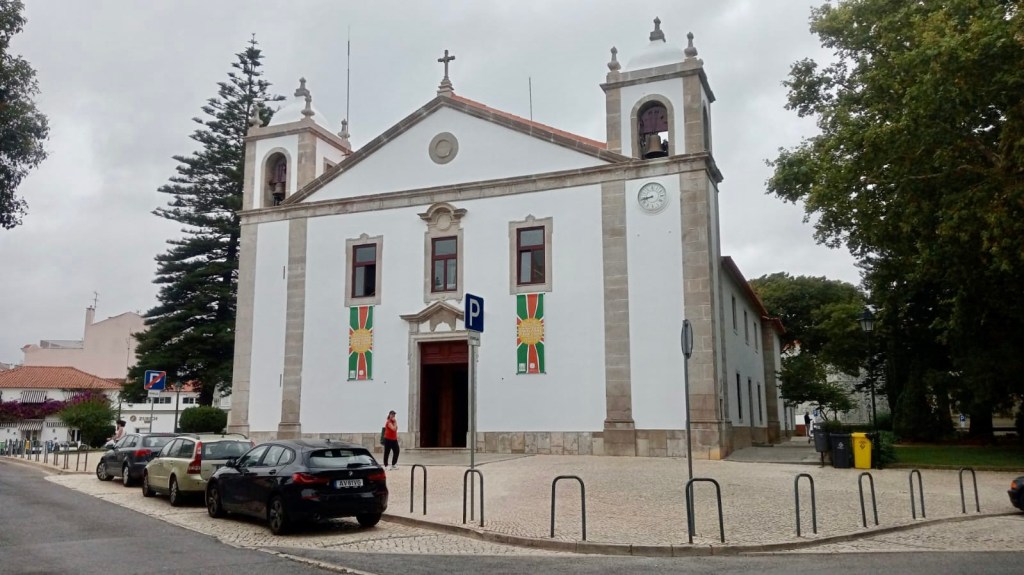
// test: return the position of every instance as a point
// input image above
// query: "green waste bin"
(841, 455)
(861, 450)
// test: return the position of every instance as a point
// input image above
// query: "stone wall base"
(647, 442)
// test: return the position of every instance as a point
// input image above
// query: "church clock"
(652, 197)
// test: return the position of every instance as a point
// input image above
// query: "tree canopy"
(917, 170)
(191, 329)
(23, 128)
(822, 335)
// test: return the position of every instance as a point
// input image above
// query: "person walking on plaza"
(807, 425)
(119, 432)
(391, 440)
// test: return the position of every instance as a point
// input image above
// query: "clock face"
(652, 197)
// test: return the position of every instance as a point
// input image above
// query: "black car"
(1016, 492)
(129, 455)
(291, 482)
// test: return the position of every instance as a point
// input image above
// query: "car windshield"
(225, 449)
(156, 441)
(339, 458)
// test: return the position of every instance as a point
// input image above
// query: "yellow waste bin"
(861, 451)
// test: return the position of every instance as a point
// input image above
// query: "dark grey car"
(129, 456)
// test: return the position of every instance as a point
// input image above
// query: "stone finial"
(344, 135)
(308, 112)
(254, 117)
(301, 90)
(690, 51)
(657, 34)
(613, 64)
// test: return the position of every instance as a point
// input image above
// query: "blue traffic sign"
(474, 313)
(155, 380)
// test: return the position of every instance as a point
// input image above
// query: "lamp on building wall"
(867, 323)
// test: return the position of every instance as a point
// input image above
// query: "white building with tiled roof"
(355, 266)
(37, 387)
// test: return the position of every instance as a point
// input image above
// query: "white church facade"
(354, 266)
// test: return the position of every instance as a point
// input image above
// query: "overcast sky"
(121, 80)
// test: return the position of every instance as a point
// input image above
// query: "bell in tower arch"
(652, 131)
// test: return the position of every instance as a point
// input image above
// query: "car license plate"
(348, 483)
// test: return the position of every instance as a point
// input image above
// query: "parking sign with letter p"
(474, 313)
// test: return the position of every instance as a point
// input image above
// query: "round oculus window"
(443, 148)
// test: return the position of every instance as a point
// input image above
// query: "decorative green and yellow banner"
(530, 333)
(360, 343)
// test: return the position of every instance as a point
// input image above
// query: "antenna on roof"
(531, 97)
(95, 299)
(348, 73)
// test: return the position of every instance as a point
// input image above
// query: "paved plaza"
(634, 506)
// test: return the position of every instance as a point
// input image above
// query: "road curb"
(51, 470)
(681, 550)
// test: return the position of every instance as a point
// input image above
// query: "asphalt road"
(788, 564)
(45, 528)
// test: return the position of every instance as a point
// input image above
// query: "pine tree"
(23, 128)
(191, 331)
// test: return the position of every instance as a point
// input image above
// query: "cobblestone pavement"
(640, 501)
(338, 535)
(635, 501)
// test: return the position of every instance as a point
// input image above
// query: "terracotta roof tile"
(44, 377)
(522, 120)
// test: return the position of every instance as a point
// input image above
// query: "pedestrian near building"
(807, 425)
(391, 440)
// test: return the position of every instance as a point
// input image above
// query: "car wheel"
(147, 491)
(101, 472)
(213, 506)
(277, 516)
(126, 477)
(368, 519)
(173, 493)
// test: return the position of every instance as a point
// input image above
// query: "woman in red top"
(391, 440)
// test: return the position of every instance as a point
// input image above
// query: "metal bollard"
(874, 505)
(583, 502)
(963, 503)
(814, 504)
(465, 484)
(691, 525)
(920, 487)
(412, 487)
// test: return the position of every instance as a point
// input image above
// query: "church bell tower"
(659, 104)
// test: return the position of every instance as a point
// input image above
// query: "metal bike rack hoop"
(583, 502)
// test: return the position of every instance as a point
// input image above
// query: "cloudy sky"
(122, 79)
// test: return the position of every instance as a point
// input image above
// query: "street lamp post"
(867, 323)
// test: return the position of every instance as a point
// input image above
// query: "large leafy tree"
(917, 169)
(191, 330)
(822, 335)
(23, 128)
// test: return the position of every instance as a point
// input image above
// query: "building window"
(739, 397)
(735, 325)
(746, 328)
(364, 270)
(444, 257)
(188, 400)
(760, 417)
(530, 260)
(365, 256)
(755, 338)
(529, 255)
(443, 265)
